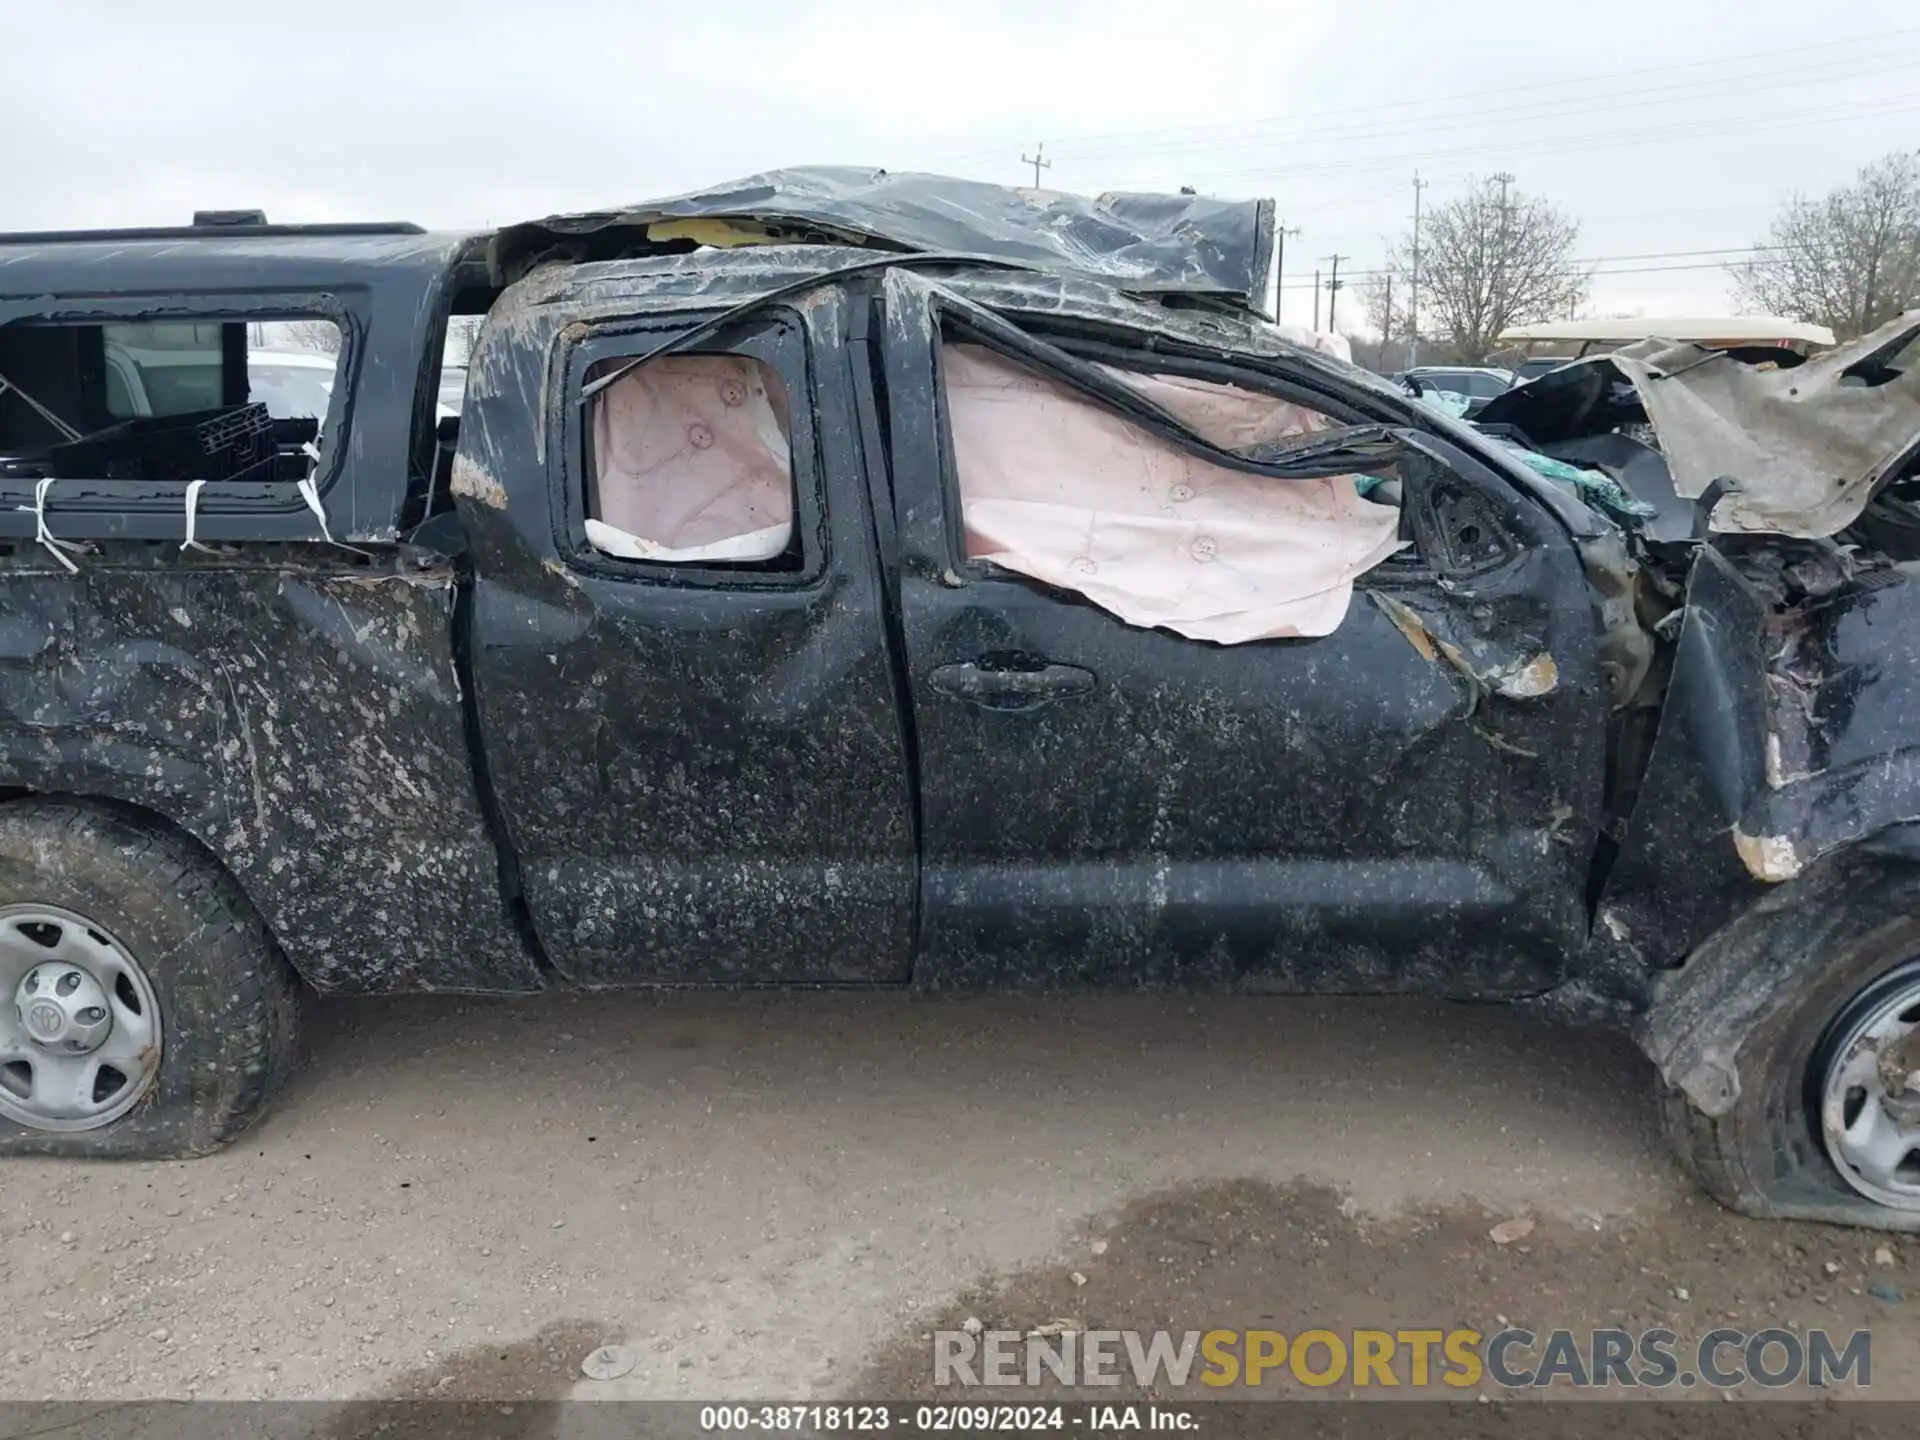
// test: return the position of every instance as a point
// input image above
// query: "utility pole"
(1037, 162)
(1333, 287)
(1280, 267)
(1503, 180)
(1316, 302)
(1499, 308)
(1413, 280)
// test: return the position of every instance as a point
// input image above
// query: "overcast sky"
(1666, 126)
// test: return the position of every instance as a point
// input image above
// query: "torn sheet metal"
(1843, 685)
(1505, 659)
(1806, 446)
(301, 721)
(1784, 738)
(1680, 873)
(1058, 487)
(691, 462)
(1188, 244)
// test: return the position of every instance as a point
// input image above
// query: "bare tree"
(322, 336)
(1850, 261)
(1490, 258)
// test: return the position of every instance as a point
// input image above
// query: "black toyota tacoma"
(843, 579)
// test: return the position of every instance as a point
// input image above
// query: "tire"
(1769, 990)
(227, 1001)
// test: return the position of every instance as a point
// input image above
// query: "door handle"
(1006, 689)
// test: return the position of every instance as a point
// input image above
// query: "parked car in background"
(292, 384)
(1534, 366)
(162, 374)
(1478, 384)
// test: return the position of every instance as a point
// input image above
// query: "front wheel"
(1863, 1089)
(1790, 1048)
(144, 1009)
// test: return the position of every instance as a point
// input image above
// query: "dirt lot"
(782, 1196)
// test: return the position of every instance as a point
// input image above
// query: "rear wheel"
(144, 1009)
(82, 1042)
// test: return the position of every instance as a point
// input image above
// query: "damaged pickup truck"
(863, 580)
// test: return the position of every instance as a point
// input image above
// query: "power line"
(1532, 145)
(1605, 79)
(1395, 187)
(1378, 273)
(1673, 254)
(1310, 130)
(1694, 210)
(1601, 139)
(1662, 269)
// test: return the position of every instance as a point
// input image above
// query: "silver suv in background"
(1475, 384)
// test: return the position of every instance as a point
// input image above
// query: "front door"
(1110, 804)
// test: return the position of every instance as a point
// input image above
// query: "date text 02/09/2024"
(943, 1419)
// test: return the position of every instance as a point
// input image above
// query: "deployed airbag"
(1058, 487)
(691, 462)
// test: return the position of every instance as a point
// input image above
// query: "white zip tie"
(310, 493)
(56, 547)
(193, 504)
(312, 496)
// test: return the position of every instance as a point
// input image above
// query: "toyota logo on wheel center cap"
(45, 1019)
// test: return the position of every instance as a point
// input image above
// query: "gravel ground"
(779, 1196)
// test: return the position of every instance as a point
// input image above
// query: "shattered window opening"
(1058, 487)
(211, 398)
(690, 462)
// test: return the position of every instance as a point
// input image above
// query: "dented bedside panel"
(303, 722)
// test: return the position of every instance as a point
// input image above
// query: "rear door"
(686, 710)
(1109, 804)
